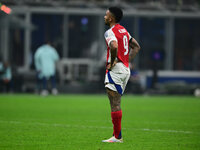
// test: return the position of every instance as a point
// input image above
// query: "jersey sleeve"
(110, 36)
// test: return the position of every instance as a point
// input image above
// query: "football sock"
(116, 120)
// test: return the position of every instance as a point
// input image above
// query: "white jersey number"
(125, 41)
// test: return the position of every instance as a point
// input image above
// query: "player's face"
(108, 18)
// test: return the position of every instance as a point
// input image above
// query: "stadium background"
(168, 63)
(167, 30)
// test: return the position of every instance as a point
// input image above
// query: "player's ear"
(113, 19)
(110, 19)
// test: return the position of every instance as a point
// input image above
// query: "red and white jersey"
(118, 33)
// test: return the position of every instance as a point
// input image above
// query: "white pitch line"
(102, 127)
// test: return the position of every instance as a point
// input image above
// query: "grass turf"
(80, 122)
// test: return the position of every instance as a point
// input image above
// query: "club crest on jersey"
(122, 31)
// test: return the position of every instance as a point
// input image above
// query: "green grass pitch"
(80, 122)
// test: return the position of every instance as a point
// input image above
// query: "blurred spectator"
(45, 59)
(5, 76)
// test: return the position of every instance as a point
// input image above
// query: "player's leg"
(54, 91)
(7, 84)
(44, 91)
(116, 112)
(114, 86)
(38, 83)
(115, 100)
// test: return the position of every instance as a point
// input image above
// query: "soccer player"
(121, 49)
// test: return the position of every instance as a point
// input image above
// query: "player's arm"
(113, 50)
(134, 49)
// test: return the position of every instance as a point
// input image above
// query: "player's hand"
(109, 67)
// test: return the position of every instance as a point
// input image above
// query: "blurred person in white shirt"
(45, 59)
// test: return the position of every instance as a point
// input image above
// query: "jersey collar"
(114, 25)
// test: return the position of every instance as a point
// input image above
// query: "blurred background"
(167, 30)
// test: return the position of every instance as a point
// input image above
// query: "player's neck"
(112, 24)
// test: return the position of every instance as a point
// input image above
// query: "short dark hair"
(117, 12)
